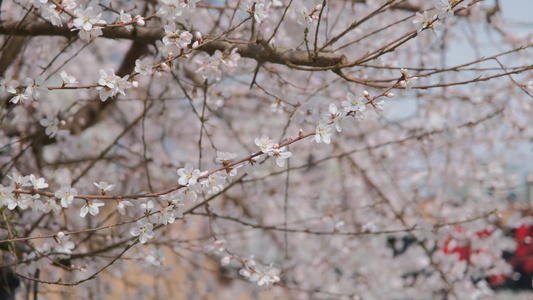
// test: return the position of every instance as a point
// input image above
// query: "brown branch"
(150, 35)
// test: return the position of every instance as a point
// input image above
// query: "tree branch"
(150, 35)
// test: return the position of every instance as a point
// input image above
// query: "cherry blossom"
(92, 207)
(422, 20)
(51, 123)
(444, 8)
(66, 194)
(147, 208)
(5, 195)
(142, 67)
(225, 157)
(323, 133)
(122, 206)
(303, 17)
(19, 180)
(67, 79)
(281, 155)
(85, 21)
(253, 165)
(156, 256)
(144, 230)
(125, 18)
(175, 40)
(431, 188)
(9, 85)
(171, 10)
(275, 3)
(230, 61)
(258, 10)
(52, 14)
(50, 205)
(218, 246)
(213, 184)
(188, 194)
(35, 88)
(264, 143)
(189, 175)
(104, 186)
(64, 245)
(37, 183)
(378, 106)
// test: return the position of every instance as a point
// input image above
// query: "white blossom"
(281, 155)
(125, 18)
(156, 256)
(66, 194)
(37, 183)
(122, 206)
(64, 245)
(264, 143)
(259, 12)
(144, 230)
(50, 205)
(67, 79)
(104, 187)
(34, 88)
(51, 123)
(85, 21)
(189, 175)
(323, 133)
(92, 207)
(142, 67)
(225, 157)
(303, 16)
(174, 40)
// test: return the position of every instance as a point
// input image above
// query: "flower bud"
(318, 7)
(165, 67)
(225, 261)
(389, 95)
(140, 20)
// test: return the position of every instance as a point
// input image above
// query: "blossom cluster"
(175, 41)
(110, 84)
(32, 91)
(305, 18)
(88, 22)
(217, 63)
(355, 106)
(171, 10)
(253, 271)
(444, 13)
(336, 119)
(12, 199)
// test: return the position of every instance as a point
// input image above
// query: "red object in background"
(523, 255)
(496, 280)
(464, 251)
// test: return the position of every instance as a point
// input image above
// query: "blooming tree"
(314, 149)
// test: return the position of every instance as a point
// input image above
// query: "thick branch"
(150, 35)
